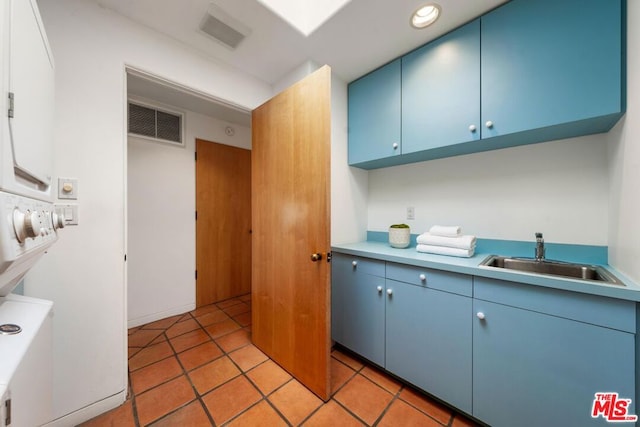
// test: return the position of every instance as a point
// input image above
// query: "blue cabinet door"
(441, 91)
(550, 62)
(533, 369)
(374, 115)
(429, 341)
(358, 307)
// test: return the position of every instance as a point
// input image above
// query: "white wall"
(84, 273)
(559, 188)
(624, 163)
(161, 223)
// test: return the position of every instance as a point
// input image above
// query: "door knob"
(316, 257)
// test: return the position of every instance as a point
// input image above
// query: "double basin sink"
(553, 268)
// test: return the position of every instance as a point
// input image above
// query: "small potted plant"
(399, 236)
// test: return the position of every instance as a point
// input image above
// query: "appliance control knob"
(57, 220)
(26, 225)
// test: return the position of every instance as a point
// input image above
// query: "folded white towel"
(446, 230)
(443, 250)
(461, 242)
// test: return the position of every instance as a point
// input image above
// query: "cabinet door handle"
(379, 289)
(395, 146)
(354, 263)
(423, 277)
(489, 124)
(389, 291)
(472, 128)
(480, 315)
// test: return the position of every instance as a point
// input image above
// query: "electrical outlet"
(411, 213)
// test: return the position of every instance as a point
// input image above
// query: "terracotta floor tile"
(268, 376)
(367, 408)
(230, 399)
(222, 328)
(234, 340)
(162, 323)
(143, 337)
(340, 374)
(212, 317)
(203, 310)
(132, 351)
(188, 340)
(332, 414)
(192, 415)
(150, 376)
(426, 405)
(149, 355)
(158, 340)
(199, 355)
(234, 310)
(382, 379)
(261, 414)
(462, 421)
(243, 319)
(247, 357)
(401, 414)
(228, 303)
(353, 363)
(122, 416)
(182, 327)
(186, 316)
(294, 401)
(213, 374)
(159, 401)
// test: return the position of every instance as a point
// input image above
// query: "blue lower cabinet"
(429, 341)
(358, 306)
(533, 369)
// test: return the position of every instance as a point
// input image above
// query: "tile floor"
(200, 369)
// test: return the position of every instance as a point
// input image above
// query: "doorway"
(161, 198)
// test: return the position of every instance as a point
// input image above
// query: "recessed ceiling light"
(425, 15)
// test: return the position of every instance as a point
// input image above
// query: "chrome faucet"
(539, 247)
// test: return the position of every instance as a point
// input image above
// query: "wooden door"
(290, 161)
(223, 222)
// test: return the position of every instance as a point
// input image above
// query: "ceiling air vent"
(151, 123)
(223, 27)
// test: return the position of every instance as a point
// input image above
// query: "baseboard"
(89, 412)
(132, 323)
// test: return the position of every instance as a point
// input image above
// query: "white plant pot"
(399, 237)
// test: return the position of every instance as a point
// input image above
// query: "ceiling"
(361, 36)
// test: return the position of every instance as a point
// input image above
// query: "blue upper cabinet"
(526, 72)
(374, 115)
(441, 92)
(555, 66)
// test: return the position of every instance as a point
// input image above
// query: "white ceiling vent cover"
(223, 27)
(148, 122)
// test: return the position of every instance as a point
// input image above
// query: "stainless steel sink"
(554, 268)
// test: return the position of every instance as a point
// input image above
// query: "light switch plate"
(68, 188)
(70, 213)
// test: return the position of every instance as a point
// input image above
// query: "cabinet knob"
(489, 124)
(480, 315)
(354, 263)
(395, 145)
(389, 291)
(379, 289)
(423, 277)
(472, 128)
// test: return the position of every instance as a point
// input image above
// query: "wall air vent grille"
(151, 123)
